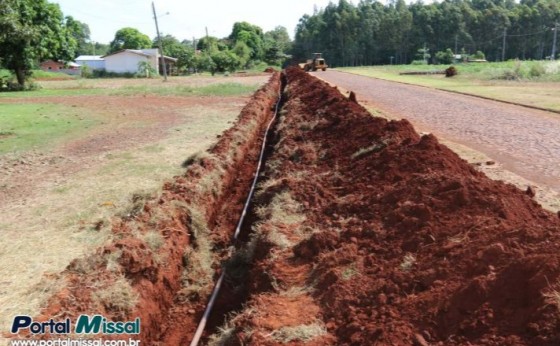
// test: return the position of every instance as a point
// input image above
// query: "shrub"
(85, 71)
(537, 70)
(445, 57)
(419, 62)
(478, 55)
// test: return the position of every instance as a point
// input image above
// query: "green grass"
(28, 126)
(46, 75)
(81, 89)
(532, 83)
(222, 89)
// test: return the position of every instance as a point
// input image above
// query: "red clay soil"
(156, 273)
(409, 245)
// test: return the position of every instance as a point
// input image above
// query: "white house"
(94, 62)
(127, 60)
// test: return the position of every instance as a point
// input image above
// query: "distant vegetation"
(368, 33)
(372, 33)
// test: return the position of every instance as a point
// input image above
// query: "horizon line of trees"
(374, 33)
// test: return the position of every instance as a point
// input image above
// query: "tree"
(243, 53)
(276, 44)
(224, 61)
(129, 38)
(186, 59)
(251, 35)
(80, 33)
(171, 46)
(30, 31)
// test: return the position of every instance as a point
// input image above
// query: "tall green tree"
(81, 34)
(129, 38)
(30, 31)
(171, 46)
(252, 36)
(373, 32)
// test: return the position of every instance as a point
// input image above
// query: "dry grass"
(118, 297)
(374, 148)
(303, 333)
(153, 239)
(283, 212)
(408, 262)
(198, 258)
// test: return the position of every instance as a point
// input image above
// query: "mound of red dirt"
(408, 243)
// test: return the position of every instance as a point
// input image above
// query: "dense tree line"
(373, 33)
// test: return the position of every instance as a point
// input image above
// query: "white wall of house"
(125, 61)
(154, 56)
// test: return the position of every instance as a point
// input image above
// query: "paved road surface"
(525, 141)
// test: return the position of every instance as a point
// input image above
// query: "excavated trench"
(168, 250)
(361, 232)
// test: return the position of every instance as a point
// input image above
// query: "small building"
(52, 66)
(127, 60)
(70, 68)
(94, 62)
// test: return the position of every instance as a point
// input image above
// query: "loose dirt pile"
(368, 234)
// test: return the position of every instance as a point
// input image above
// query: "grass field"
(74, 153)
(24, 126)
(532, 83)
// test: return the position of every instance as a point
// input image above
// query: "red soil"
(411, 245)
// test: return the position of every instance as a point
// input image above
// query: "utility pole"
(504, 45)
(553, 56)
(164, 67)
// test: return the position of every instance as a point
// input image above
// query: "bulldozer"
(317, 63)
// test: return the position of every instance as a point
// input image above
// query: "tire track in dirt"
(524, 140)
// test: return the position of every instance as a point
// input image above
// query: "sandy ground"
(521, 144)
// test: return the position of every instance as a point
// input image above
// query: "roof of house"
(170, 58)
(139, 52)
(73, 64)
(90, 57)
(134, 51)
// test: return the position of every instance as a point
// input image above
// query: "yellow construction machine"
(317, 63)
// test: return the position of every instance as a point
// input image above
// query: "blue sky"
(186, 19)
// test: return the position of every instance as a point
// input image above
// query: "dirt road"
(523, 140)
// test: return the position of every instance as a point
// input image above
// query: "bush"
(104, 74)
(537, 70)
(445, 57)
(478, 56)
(85, 71)
(419, 62)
